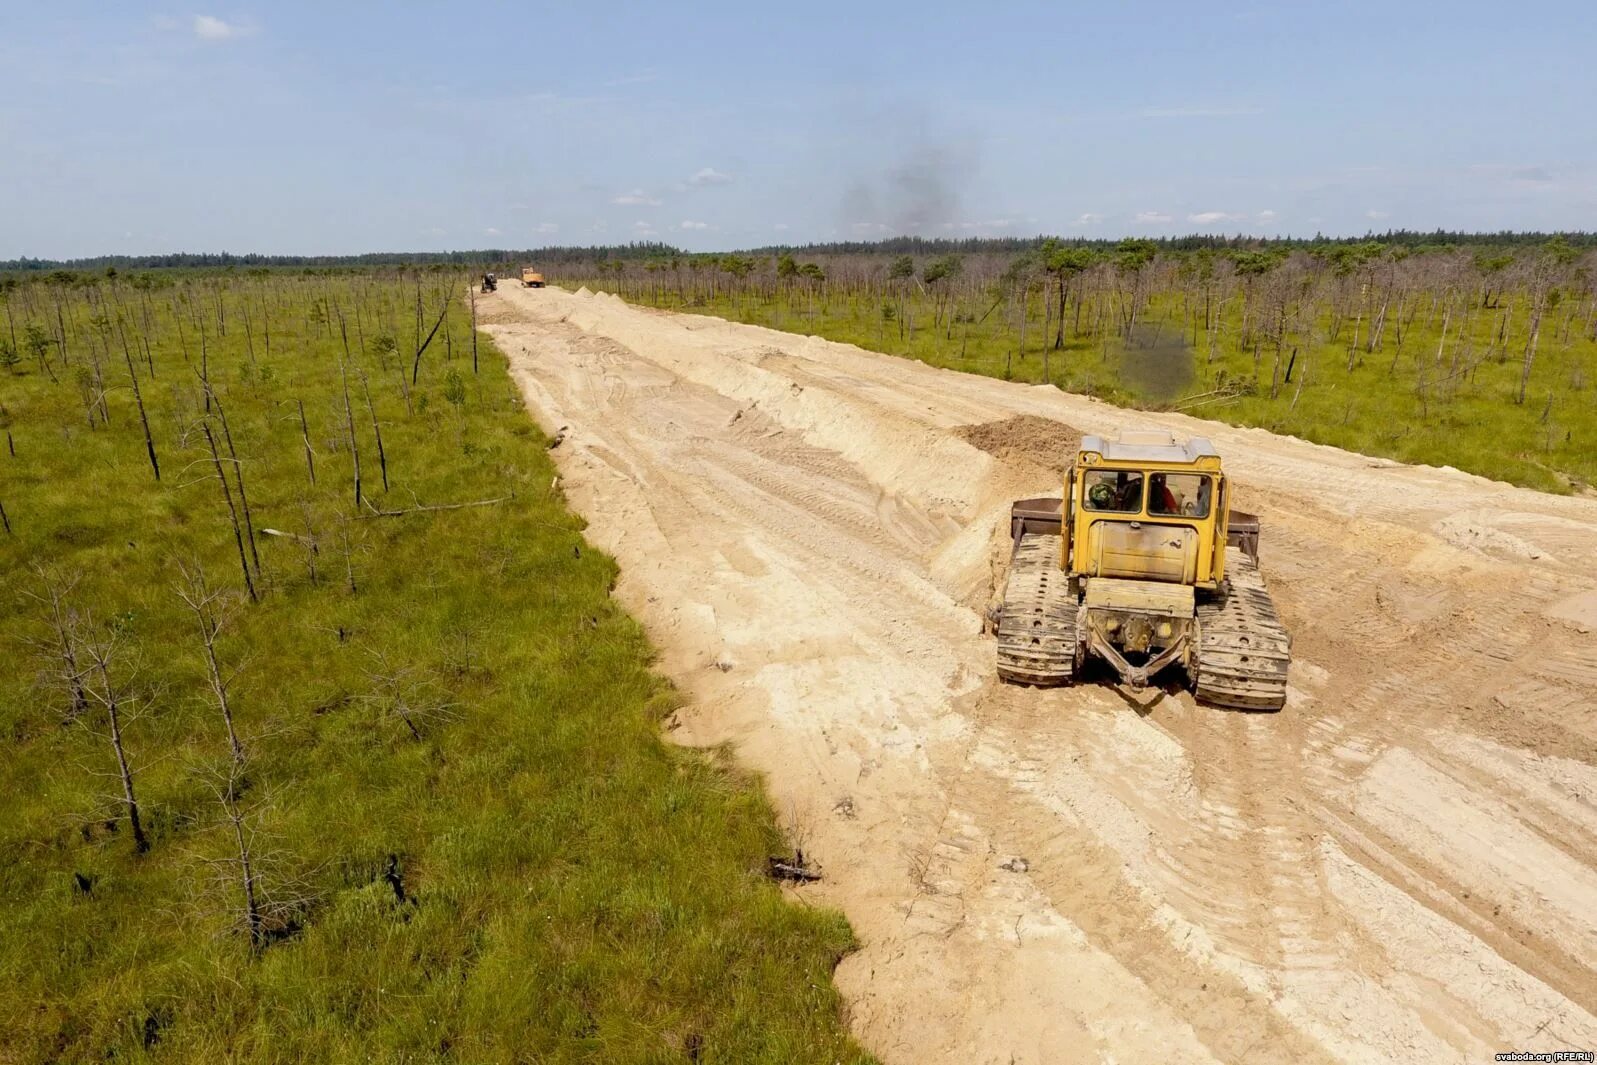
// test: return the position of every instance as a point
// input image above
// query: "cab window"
(1183, 494)
(1114, 491)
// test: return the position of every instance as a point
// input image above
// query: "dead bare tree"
(407, 694)
(415, 368)
(182, 338)
(238, 476)
(91, 389)
(239, 869)
(266, 328)
(138, 398)
(211, 610)
(1544, 296)
(255, 886)
(98, 649)
(349, 554)
(249, 333)
(349, 422)
(205, 369)
(246, 865)
(61, 647)
(420, 509)
(377, 429)
(305, 435)
(97, 374)
(232, 512)
(473, 291)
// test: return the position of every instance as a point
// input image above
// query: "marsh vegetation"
(322, 737)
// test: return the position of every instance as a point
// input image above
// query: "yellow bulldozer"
(1143, 565)
(531, 278)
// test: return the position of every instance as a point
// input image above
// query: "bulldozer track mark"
(1087, 879)
(1252, 812)
(1539, 956)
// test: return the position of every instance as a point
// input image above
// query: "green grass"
(576, 890)
(1472, 420)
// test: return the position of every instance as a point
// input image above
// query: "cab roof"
(1154, 446)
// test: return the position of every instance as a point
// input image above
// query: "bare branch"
(377, 513)
(211, 613)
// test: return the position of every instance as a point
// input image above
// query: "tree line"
(1371, 344)
(902, 245)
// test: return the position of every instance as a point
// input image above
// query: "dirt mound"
(1026, 438)
(491, 311)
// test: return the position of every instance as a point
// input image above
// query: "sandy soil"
(1401, 864)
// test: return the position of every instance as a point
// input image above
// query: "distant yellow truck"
(531, 278)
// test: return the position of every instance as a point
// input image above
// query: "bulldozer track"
(1243, 649)
(1037, 627)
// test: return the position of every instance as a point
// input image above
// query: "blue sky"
(343, 127)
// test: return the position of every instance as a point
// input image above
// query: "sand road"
(1402, 864)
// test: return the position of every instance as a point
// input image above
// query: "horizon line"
(28, 262)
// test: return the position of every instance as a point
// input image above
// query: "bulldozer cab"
(1141, 538)
(1144, 507)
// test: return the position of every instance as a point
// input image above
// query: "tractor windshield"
(1169, 494)
(1186, 494)
(1117, 491)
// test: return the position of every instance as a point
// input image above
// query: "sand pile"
(1026, 438)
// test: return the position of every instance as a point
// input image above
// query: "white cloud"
(644, 229)
(546, 227)
(1152, 218)
(1209, 218)
(635, 198)
(491, 231)
(1375, 215)
(1087, 218)
(868, 227)
(1199, 111)
(710, 176)
(1265, 217)
(693, 225)
(211, 28)
(780, 227)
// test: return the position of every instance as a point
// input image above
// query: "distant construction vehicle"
(489, 282)
(531, 278)
(1144, 565)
